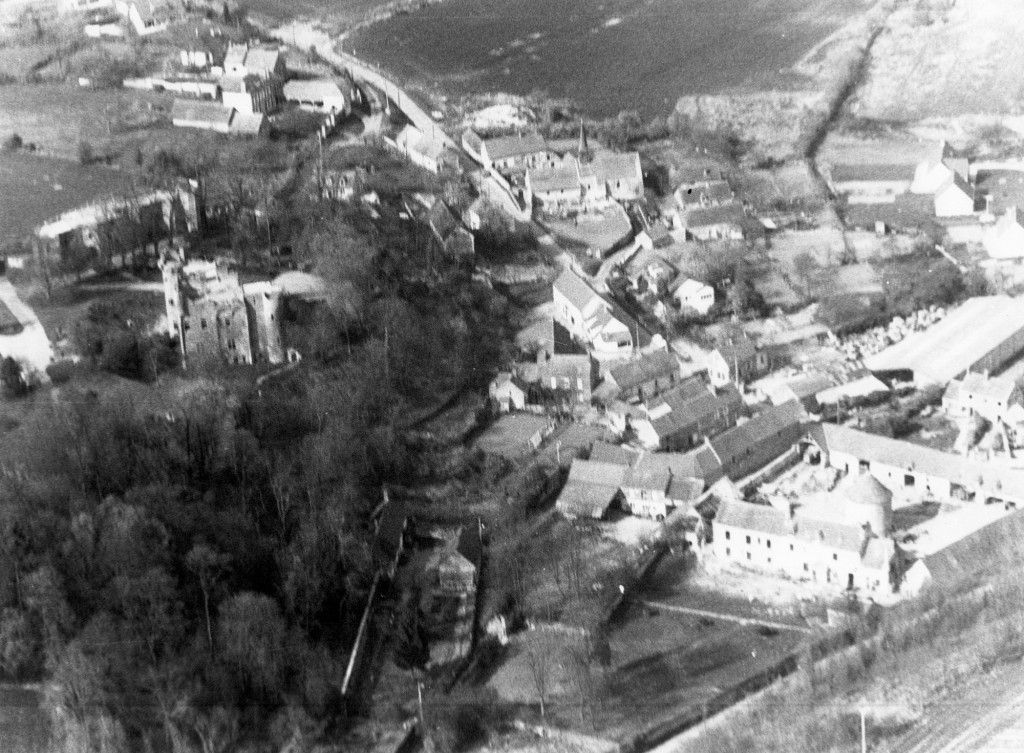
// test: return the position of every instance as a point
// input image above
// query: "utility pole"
(863, 732)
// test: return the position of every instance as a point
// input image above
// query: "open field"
(944, 59)
(37, 189)
(56, 117)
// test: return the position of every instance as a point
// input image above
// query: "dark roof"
(721, 215)
(391, 523)
(632, 374)
(881, 172)
(690, 411)
(590, 489)
(8, 321)
(700, 174)
(972, 555)
(604, 452)
(759, 430)
(470, 546)
(1006, 187)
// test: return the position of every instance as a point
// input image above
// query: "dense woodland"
(191, 575)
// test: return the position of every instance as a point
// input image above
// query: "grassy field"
(36, 189)
(933, 60)
(56, 117)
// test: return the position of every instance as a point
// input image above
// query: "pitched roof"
(971, 556)
(699, 174)
(950, 347)
(515, 146)
(956, 182)
(862, 489)
(649, 473)
(247, 124)
(575, 289)
(998, 480)
(632, 374)
(761, 429)
(878, 553)
(991, 388)
(687, 286)
(198, 111)
(262, 59)
(831, 533)
(610, 167)
(590, 488)
(753, 517)
(563, 177)
(675, 411)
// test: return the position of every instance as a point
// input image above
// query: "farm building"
(591, 488)
(871, 184)
(752, 445)
(514, 436)
(984, 334)
(913, 471)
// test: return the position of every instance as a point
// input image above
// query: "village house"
(1005, 239)
(693, 295)
(509, 155)
(215, 318)
(686, 415)
(591, 488)
(507, 392)
(580, 182)
(658, 482)
(871, 183)
(736, 362)
(646, 271)
(766, 437)
(242, 60)
(213, 116)
(560, 380)
(641, 378)
(514, 435)
(955, 197)
(424, 149)
(250, 94)
(712, 223)
(982, 395)
(694, 176)
(841, 539)
(937, 169)
(145, 16)
(912, 471)
(319, 95)
(588, 316)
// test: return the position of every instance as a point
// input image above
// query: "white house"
(935, 171)
(506, 393)
(422, 149)
(1005, 239)
(955, 198)
(693, 294)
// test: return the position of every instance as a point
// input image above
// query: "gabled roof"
(246, 123)
(590, 488)
(759, 430)
(956, 183)
(563, 177)
(649, 473)
(262, 59)
(515, 146)
(632, 374)
(575, 289)
(830, 533)
(971, 556)
(990, 388)
(692, 411)
(610, 167)
(699, 174)
(753, 517)
(997, 480)
(686, 286)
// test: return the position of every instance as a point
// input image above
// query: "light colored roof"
(971, 556)
(514, 146)
(753, 517)
(725, 214)
(262, 59)
(997, 480)
(197, 111)
(688, 286)
(301, 285)
(814, 529)
(312, 91)
(574, 288)
(950, 347)
(991, 388)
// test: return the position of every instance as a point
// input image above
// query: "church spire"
(584, 147)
